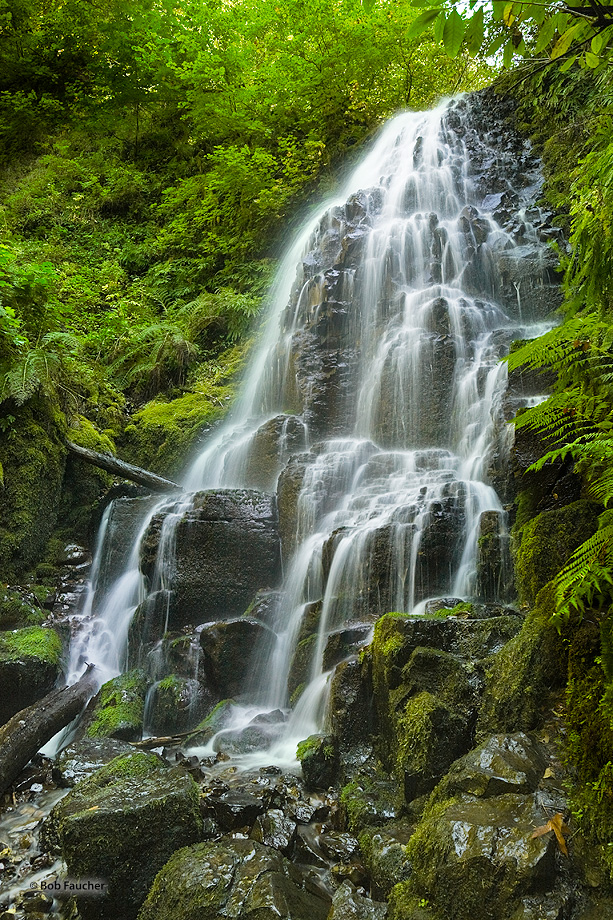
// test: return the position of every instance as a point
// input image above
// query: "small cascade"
(368, 436)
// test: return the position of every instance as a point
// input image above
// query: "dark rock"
(494, 571)
(124, 524)
(227, 649)
(175, 704)
(318, 758)
(386, 857)
(227, 548)
(275, 830)
(345, 642)
(238, 878)
(83, 758)
(350, 904)
(235, 809)
(338, 846)
(122, 824)
(502, 764)
(30, 666)
(288, 490)
(350, 706)
(269, 449)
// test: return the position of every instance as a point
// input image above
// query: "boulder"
(227, 548)
(349, 903)
(476, 859)
(318, 758)
(83, 758)
(269, 449)
(235, 878)
(227, 652)
(175, 704)
(274, 830)
(30, 666)
(118, 709)
(122, 825)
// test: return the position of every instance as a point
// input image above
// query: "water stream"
(378, 380)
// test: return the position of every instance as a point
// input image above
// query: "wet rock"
(275, 830)
(318, 758)
(270, 447)
(350, 706)
(350, 904)
(227, 548)
(235, 809)
(288, 490)
(214, 722)
(338, 846)
(73, 555)
(385, 855)
(227, 650)
(494, 570)
(479, 858)
(237, 878)
(345, 642)
(502, 764)
(175, 704)
(118, 709)
(124, 523)
(148, 626)
(85, 757)
(122, 824)
(30, 665)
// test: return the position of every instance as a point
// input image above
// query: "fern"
(587, 578)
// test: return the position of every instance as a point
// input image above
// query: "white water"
(396, 476)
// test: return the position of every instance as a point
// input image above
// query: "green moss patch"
(32, 642)
(120, 708)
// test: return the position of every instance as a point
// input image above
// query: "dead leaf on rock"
(557, 825)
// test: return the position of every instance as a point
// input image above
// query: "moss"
(318, 758)
(163, 434)
(32, 642)
(524, 672)
(32, 456)
(16, 612)
(120, 707)
(369, 799)
(545, 543)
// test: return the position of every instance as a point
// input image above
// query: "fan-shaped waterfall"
(373, 409)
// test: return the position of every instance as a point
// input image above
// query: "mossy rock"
(174, 704)
(370, 799)
(217, 719)
(30, 665)
(384, 850)
(33, 459)
(122, 825)
(232, 878)
(475, 860)
(119, 709)
(523, 674)
(16, 612)
(318, 756)
(84, 484)
(546, 542)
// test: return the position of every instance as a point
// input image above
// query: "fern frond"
(587, 578)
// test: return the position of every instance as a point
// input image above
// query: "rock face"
(235, 878)
(226, 549)
(121, 825)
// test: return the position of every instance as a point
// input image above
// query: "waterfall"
(376, 400)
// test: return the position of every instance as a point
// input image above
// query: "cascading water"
(376, 397)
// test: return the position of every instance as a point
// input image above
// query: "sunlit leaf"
(507, 54)
(567, 64)
(422, 22)
(453, 33)
(592, 60)
(475, 32)
(498, 7)
(599, 41)
(439, 25)
(546, 34)
(565, 41)
(508, 16)
(426, 4)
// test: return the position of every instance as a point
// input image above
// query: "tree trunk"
(23, 735)
(123, 469)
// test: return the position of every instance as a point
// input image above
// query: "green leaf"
(567, 64)
(368, 5)
(498, 7)
(426, 4)
(546, 33)
(592, 60)
(508, 16)
(422, 22)
(565, 41)
(453, 33)
(439, 25)
(507, 54)
(599, 41)
(475, 32)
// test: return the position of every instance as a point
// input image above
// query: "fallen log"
(125, 470)
(23, 735)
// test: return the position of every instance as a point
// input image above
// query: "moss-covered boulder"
(19, 608)
(84, 757)
(121, 825)
(475, 860)
(385, 855)
(30, 665)
(523, 674)
(118, 710)
(233, 878)
(545, 543)
(318, 756)
(175, 704)
(349, 903)
(32, 462)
